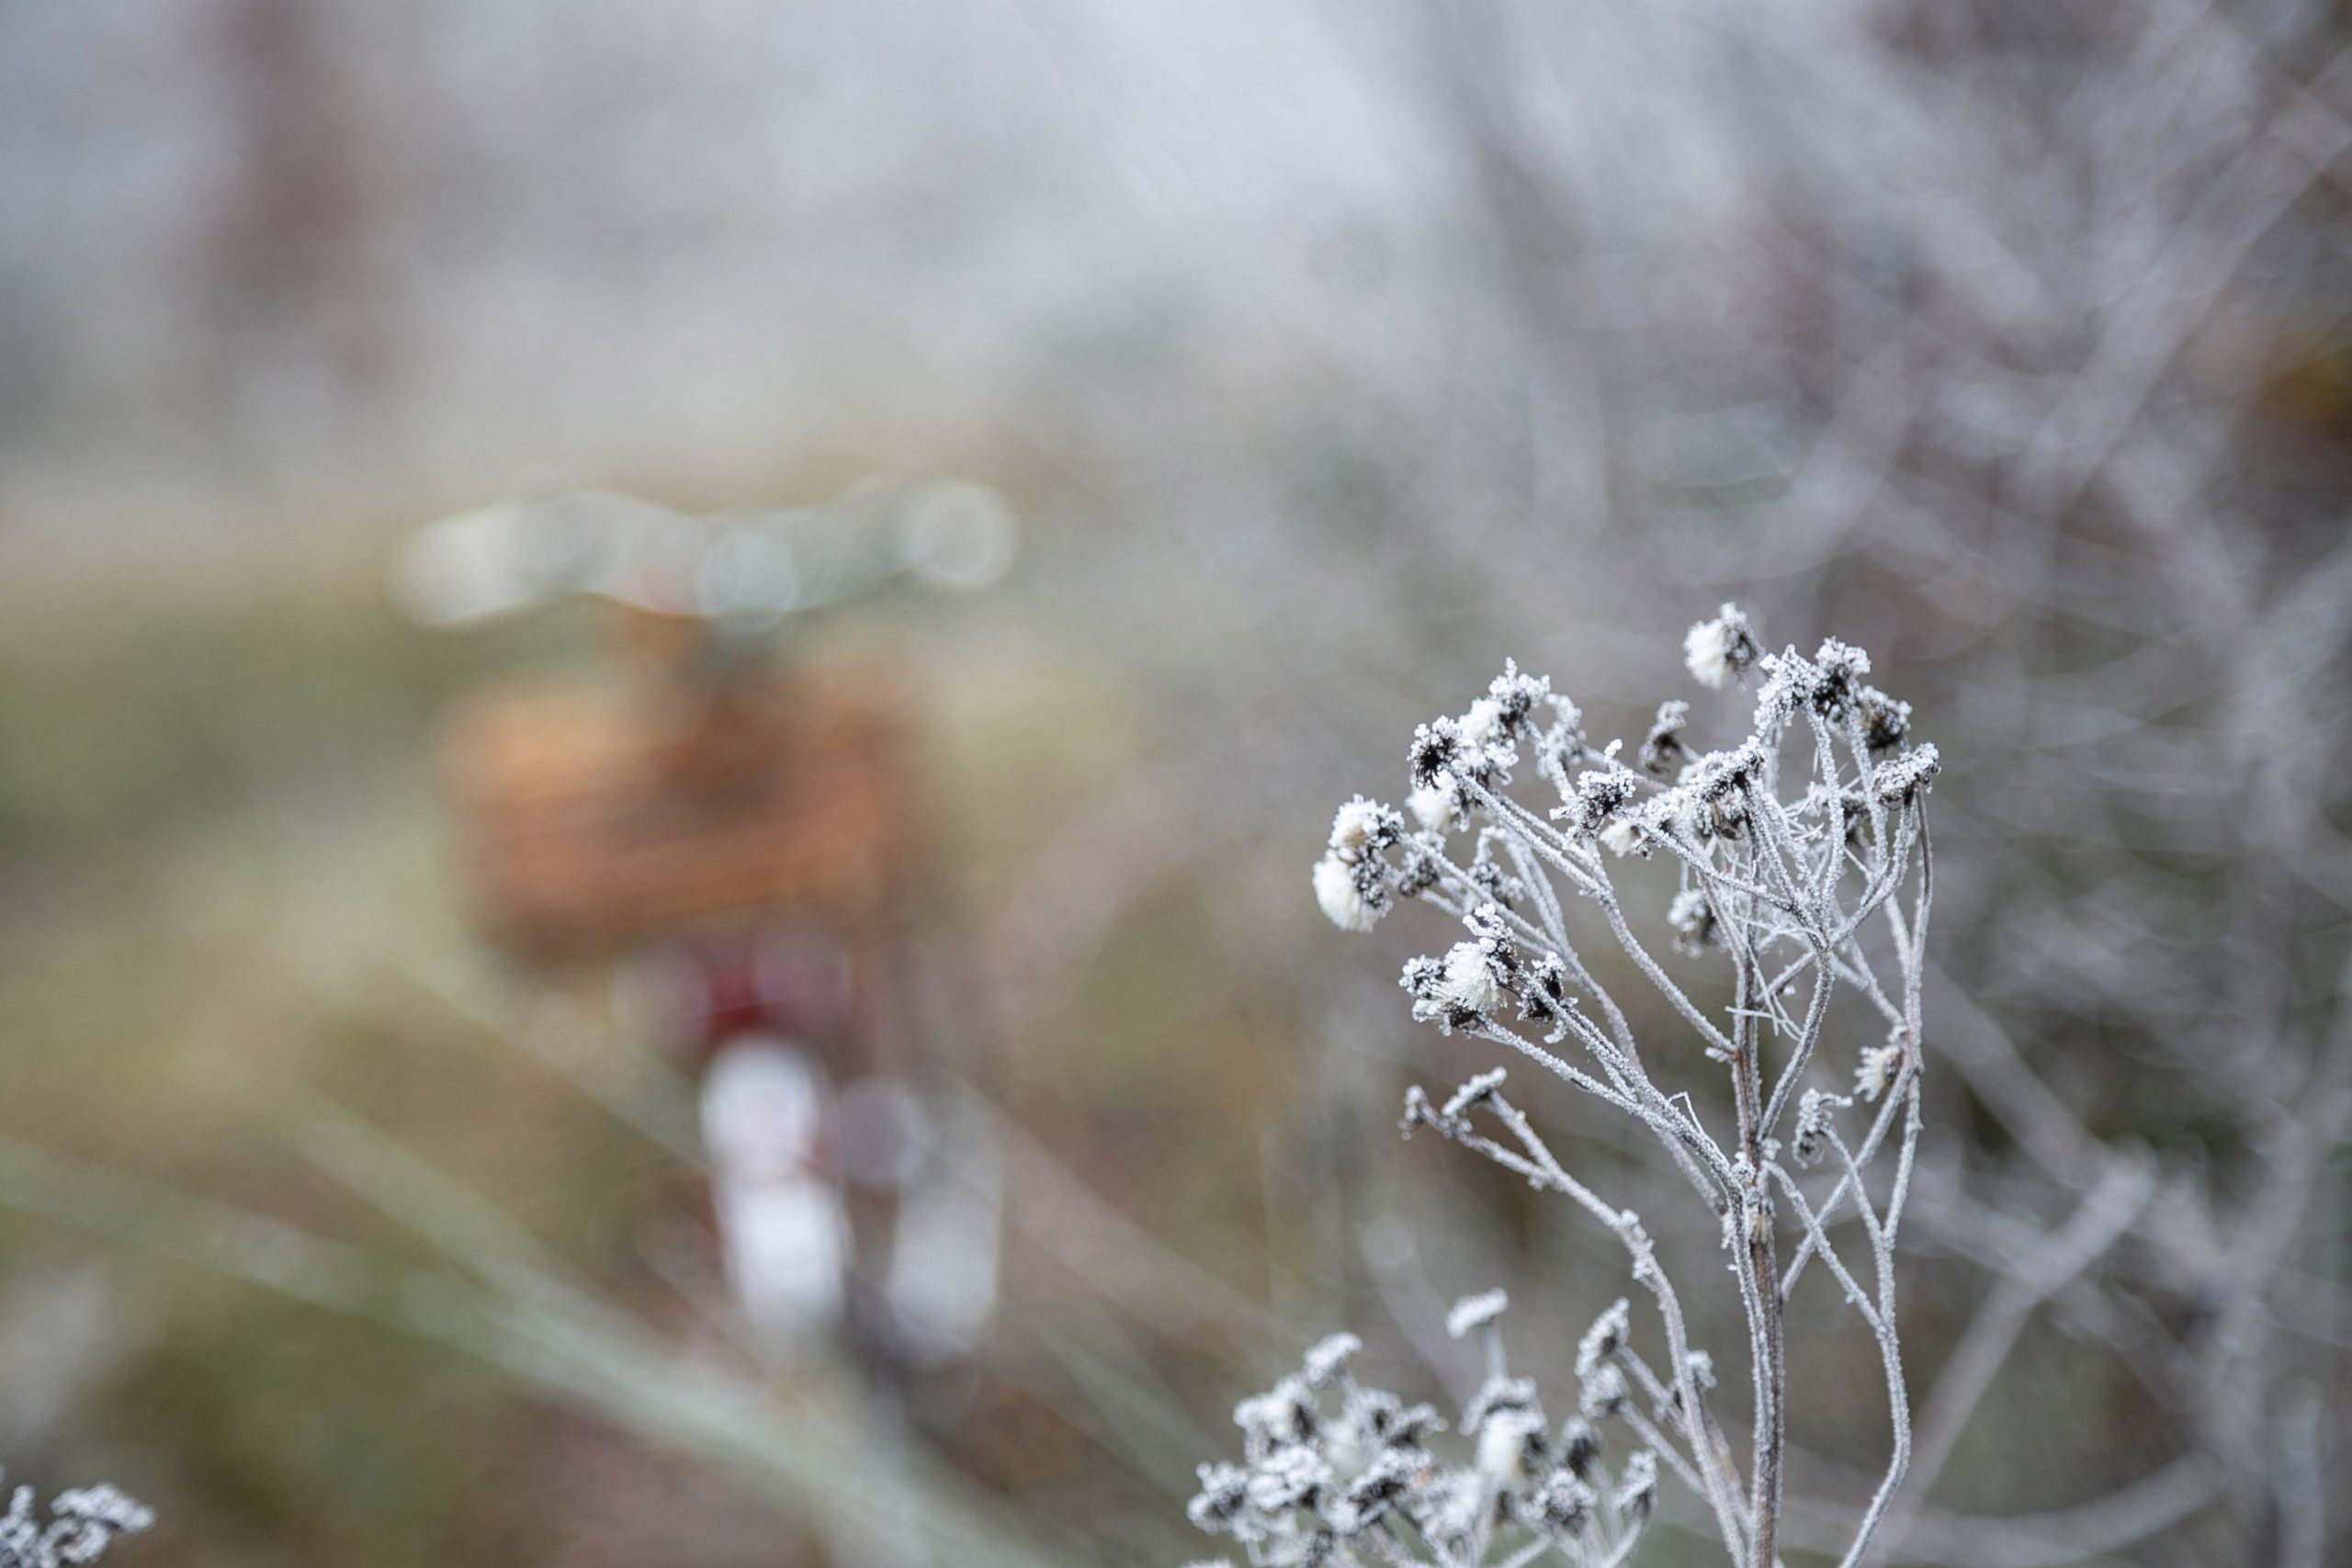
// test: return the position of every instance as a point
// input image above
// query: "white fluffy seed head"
(1877, 1069)
(1716, 650)
(1432, 804)
(1470, 979)
(1343, 902)
(1483, 725)
(1502, 1447)
(1354, 825)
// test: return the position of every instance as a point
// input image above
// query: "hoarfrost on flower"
(1340, 893)
(1605, 1338)
(1877, 1069)
(1432, 804)
(1470, 979)
(1716, 650)
(1359, 824)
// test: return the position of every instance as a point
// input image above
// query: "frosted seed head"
(1482, 724)
(1437, 806)
(1346, 900)
(1663, 749)
(1901, 780)
(1364, 826)
(1693, 920)
(1470, 984)
(1637, 1487)
(1604, 1392)
(1877, 1069)
(1515, 696)
(1716, 650)
(1605, 1338)
(1437, 747)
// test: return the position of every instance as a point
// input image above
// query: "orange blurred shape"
(600, 811)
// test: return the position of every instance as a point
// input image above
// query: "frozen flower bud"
(1412, 1423)
(1473, 1313)
(1488, 875)
(1546, 999)
(1787, 680)
(1418, 1111)
(1621, 837)
(1381, 1484)
(1453, 1508)
(1499, 1395)
(1483, 724)
(1837, 669)
(1663, 748)
(1564, 1506)
(1515, 696)
(1604, 1392)
(1692, 918)
(1329, 1357)
(1812, 1125)
(1507, 1441)
(1637, 1488)
(1600, 795)
(1470, 984)
(1348, 901)
(1224, 1492)
(1283, 1414)
(1879, 1065)
(1885, 722)
(1437, 746)
(1436, 805)
(1605, 1338)
(1363, 826)
(1903, 779)
(1290, 1477)
(1579, 1447)
(1718, 650)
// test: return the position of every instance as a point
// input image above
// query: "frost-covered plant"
(1337, 1472)
(1791, 849)
(82, 1523)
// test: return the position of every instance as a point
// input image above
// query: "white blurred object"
(943, 1256)
(781, 1225)
(958, 534)
(880, 1134)
(496, 559)
(752, 568)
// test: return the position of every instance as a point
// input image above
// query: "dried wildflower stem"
(1787, 883)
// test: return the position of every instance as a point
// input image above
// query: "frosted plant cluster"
(1335, 1471)
(83, 1522)
(1800, 865)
